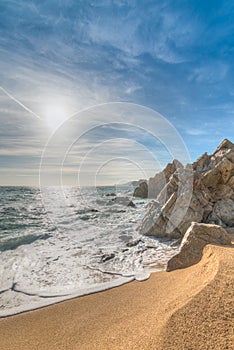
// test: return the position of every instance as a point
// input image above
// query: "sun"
(55, 116)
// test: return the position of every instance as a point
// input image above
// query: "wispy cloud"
(196, 132)
(211, 73)
(177, 59)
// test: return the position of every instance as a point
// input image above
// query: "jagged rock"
(156, 184)
(230, 182)
(148, 223)
(222, 191)
(212, 178)
(142, 190)
(230, 155)
(224, 145)
(224, 209)
(164, 218)
(171, 168)
(202, 192)
(197, 236)
(131, 204)
(202, 163)
(159, 181)
(226, 168)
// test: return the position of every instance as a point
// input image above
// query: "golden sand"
(185, 310)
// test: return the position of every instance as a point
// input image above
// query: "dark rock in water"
(151, 246)
(195, 239)
(110, 195)
(125, 250)
(133, 243)
(131, 204)
(142, 190)
(94, 210)
(107, 257)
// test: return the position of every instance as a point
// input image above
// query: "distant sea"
(57, 243)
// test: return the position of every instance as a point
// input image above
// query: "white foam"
(71, 264)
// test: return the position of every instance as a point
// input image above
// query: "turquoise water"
(23, 217)
(61, 242)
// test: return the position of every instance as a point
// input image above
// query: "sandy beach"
(184, 309)
(117, 175)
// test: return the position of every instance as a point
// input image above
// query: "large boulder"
(197, 236)
(160, 180)
(142, 190)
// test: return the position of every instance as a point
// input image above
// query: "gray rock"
(131, 204)
(224, 209)
(142, 190)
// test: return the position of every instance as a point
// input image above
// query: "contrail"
(20, 103)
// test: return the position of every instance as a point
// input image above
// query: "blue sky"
(60, 57)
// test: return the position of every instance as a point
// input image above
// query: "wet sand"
(184, 309)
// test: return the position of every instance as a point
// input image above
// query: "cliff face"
(201, 192)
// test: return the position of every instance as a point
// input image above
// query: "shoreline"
(67, 297)
(137, 315)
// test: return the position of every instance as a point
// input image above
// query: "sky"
(103, 92)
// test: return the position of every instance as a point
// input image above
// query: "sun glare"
(55, 115)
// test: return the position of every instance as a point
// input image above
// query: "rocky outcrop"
(196, 238)
(156, 183)
(159, 181)
(201, 192)
(136, 182)
(142, 190)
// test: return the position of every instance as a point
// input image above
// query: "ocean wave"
(14, 243)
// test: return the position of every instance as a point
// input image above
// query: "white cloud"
(211, 72)
(196, 132)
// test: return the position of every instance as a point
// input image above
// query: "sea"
(62, 242)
